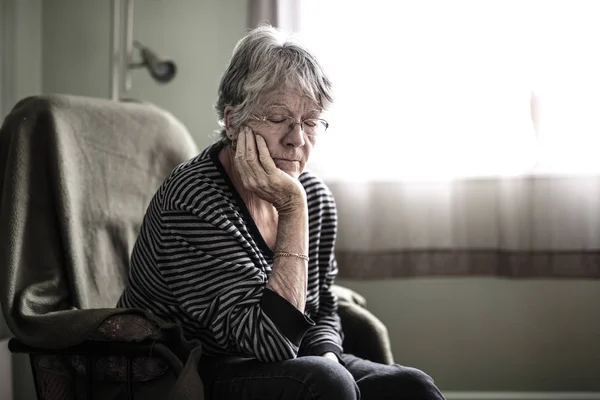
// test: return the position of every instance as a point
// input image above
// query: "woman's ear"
(227, 116)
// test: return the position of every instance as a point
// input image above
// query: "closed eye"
(278, 119)
(311, 122)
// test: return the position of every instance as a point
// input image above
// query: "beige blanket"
(76, 175)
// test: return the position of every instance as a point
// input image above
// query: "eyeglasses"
(283, 124)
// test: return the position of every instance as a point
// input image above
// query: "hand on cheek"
(260, 175)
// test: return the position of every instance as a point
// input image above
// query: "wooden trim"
(468, 262)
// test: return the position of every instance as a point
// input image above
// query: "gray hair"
(265, 60)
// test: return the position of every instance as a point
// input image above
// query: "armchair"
(76, 175)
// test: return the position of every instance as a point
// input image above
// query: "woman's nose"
(295, 137)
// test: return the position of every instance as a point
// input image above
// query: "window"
(438, 90)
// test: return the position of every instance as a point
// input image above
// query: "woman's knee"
(417, 383)
(326, 379)
(396, 381)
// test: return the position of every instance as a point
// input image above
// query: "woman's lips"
(285, 164)
(291, 167)
(285, 160)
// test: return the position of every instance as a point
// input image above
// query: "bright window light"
(438, 90)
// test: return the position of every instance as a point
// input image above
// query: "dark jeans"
(310, 378)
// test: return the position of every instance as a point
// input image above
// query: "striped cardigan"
(201, 262)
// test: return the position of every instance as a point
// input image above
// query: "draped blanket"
(76, 176)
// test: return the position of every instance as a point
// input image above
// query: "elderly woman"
(237, 244)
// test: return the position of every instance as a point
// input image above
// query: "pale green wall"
(75, 47)
(22, 56)
(198, 35)
(488, 334)
(21, 25)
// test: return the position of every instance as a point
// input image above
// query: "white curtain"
(284, 14)
(464, 135)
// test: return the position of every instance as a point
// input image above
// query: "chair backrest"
(76, 176)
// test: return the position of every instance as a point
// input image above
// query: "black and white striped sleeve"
(208, 267)
(326, 335)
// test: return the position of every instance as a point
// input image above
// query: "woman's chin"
(294, 174)
(292, 168)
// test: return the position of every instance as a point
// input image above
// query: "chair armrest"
(348, 295)
(106, 348)
(365, 335)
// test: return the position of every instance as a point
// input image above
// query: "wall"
(198, 35)
(493, 334)
(75, 47)
(20, 76)
(20, 26)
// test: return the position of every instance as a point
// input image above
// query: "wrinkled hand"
(331, 356)
(260, 175)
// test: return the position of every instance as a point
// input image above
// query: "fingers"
(251, 154)
(246, 159)
(240, 161)
(264, 155)
(240, 149)
(259, 174)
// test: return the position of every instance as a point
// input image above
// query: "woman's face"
(290, 149)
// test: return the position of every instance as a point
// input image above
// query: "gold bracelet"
(286, 254)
